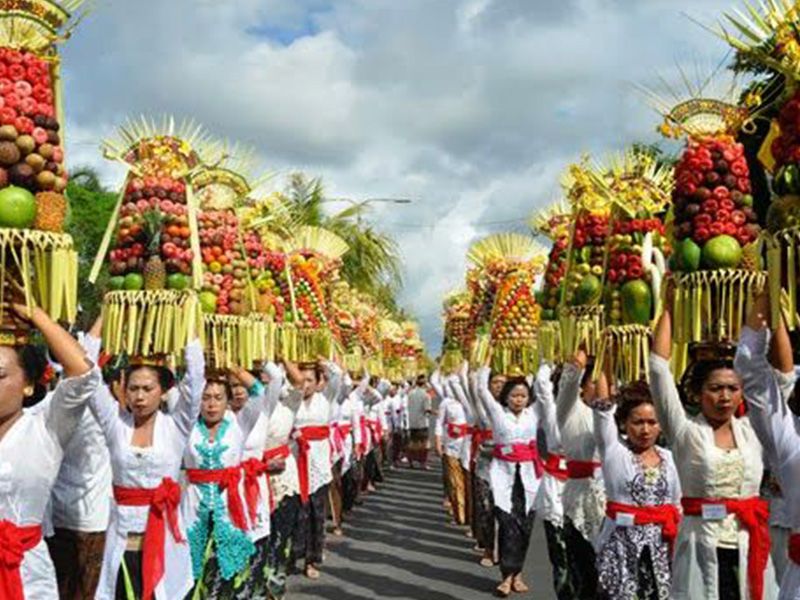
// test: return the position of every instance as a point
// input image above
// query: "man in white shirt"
(418, 412)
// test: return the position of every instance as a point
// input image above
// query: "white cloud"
(471, 107)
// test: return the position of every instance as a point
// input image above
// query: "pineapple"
(155, 273)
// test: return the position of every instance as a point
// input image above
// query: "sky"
(471, 108)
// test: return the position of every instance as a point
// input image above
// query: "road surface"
(398, 545)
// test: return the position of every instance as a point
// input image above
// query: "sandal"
(503, 590)
(519, 586)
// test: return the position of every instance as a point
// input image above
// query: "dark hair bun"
(33, 361)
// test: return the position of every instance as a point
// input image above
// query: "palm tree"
(372, 264)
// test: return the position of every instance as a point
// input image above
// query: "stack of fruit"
(33, 176)
(314, 254)
(151, 308)
(494, 258)
(227, 295)
(553, 223)
(581, 313)
(769, 47)
(716, 257)
(515, 323)
(638, 191)
(456, 321)
(343, 311)
(714, 216)
(411, 349)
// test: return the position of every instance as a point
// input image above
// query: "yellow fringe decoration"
(375, 365)
(45, 265)
(782, 267)
(480, 350)
(353, 361)
(229, 341)
(581, 326)
(304, 345)
(711, 306)
(451, 360)
(147, 323)
(549, 341)
(627, 349)
(264, 337)
(515, 358)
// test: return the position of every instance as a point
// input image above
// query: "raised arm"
(476, 401)
(454, 384)
(769, 413)
(569, 387)
(670, 411)
(333, 375)
(543, 391)
(492, 407)
(63, 347)
(191, 388)
(605, 428)
(436, 384)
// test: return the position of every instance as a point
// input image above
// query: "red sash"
(458, 430)
(345, 429)
(753, 515)
(228, 481)
(276, 453)
(581, 469)
(376, 428)
(304, 437)
(519, 453)
(666, 515)
(163, 502)
(362, 424)
(552, 467)
(252, 469)
(479, 436)
(15, 541)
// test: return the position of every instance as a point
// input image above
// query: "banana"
(647, 251)
(660, 263)
(655, 285)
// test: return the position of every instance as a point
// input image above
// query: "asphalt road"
(398, 545)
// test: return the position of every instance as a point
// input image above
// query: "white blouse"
(30, 456)
(778, 430)
(312, 412)
(549, 502)
(584, 499)
(145, 468)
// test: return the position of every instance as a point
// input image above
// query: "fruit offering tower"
(411, 349)
(366, 323)
(516, 316)
(313, 260)
(456, 329)
(227, 296)
(768, 46)
(390, 333)
(343, 308)
(716, 258)
(554, 223)
(581, 310)
(152, 243)
(493, 258)
(638, 192)
(36, 255)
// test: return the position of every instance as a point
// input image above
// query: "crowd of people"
(651, 489)
(140, 482)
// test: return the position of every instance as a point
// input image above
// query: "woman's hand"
(759, 315)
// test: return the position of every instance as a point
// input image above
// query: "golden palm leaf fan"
(36, 25)
(318, 241)
(552, 222)
(507, 247)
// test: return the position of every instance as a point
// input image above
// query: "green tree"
(90, 208)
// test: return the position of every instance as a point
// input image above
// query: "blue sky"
(471, 107)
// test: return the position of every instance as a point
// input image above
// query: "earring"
(27, 391)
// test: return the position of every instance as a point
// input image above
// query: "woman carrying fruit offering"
(634, 548)
(32, 447)
(765, 389)
(147, 554)
(270, 481)
(722, 550)
(516, 472)
(549, 503)
(584, 495)
(217, 516)
(451, 431)
(312, 411)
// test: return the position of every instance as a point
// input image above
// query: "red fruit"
(710, 206)
(613, 275)
(7, 115)
(739, 168)
(722, 216)
(738, 217)
(715, 229)
(635, 271)
(23, 125)
(16, 72)
(701, 234)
